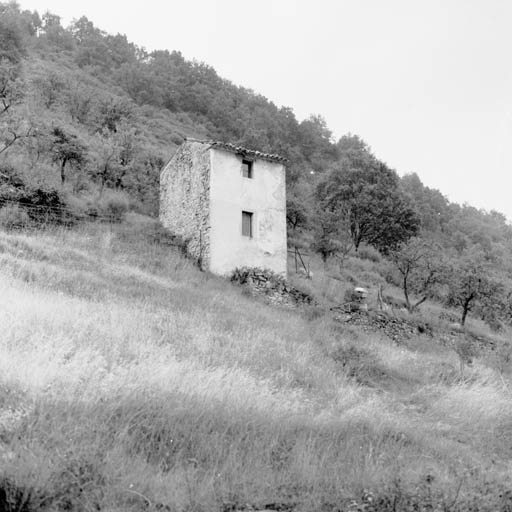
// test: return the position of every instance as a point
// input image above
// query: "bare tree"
(422, 270)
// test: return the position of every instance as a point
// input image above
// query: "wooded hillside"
(87, 120)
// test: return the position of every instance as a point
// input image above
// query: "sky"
(427, 84)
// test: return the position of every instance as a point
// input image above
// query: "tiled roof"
(240, 150)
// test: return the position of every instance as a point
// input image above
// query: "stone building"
(229, 205)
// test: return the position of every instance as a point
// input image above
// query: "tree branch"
(15, 137)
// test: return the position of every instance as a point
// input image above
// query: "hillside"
(87, 120)
(132, 381)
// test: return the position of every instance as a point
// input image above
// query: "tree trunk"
(406, 294)
(357, 242)
(355, 233)
(119, 183)
(419, 303)
(63, 172)
(464, 315)
(465, 309)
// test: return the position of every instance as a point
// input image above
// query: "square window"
(246, 168)
(247, 224)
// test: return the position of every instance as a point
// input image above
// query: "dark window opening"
(247, 224)
(246, 168)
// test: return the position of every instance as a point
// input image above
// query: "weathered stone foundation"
(271, 286)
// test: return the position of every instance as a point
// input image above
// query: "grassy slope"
(130, 381)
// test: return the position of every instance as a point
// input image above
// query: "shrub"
(12, 216)
(177, 138)
(358, 363)
(367, 252)
(12, 185)
(112, 205)
(75, 207)
(500, 357)
(44, 204)
(155, 233)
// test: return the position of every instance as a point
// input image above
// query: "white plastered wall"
(265, 196)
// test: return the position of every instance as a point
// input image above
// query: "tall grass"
(129, 380)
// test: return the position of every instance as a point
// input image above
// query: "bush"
(155, 233)
(112, 206)
(12, 216)
(366, 252)
(43, 204)
(177, 138)
(358, 363)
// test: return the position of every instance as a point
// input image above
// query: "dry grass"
(131, 381)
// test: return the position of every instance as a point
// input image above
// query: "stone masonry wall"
(273, 287)
(185, 199)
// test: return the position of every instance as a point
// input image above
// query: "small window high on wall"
(247, 224)
(246, 168)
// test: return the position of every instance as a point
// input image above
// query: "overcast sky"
(428, 84)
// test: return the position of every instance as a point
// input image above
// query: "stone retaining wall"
(273, 287)
(395, 328)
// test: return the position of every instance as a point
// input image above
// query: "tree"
(50, 88)
(128, 140)
(422, 270)
(315, 141)
(13, 130)
(115, 154)
(472, 284)
(52, 32)
(12, 127)
(330, 234)
(298, 206)
(11, 86)
(113, 111)
(368, 199)
(12, 45)
(66, 148)
(79, 100)
(431, 205)
(106, 159)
